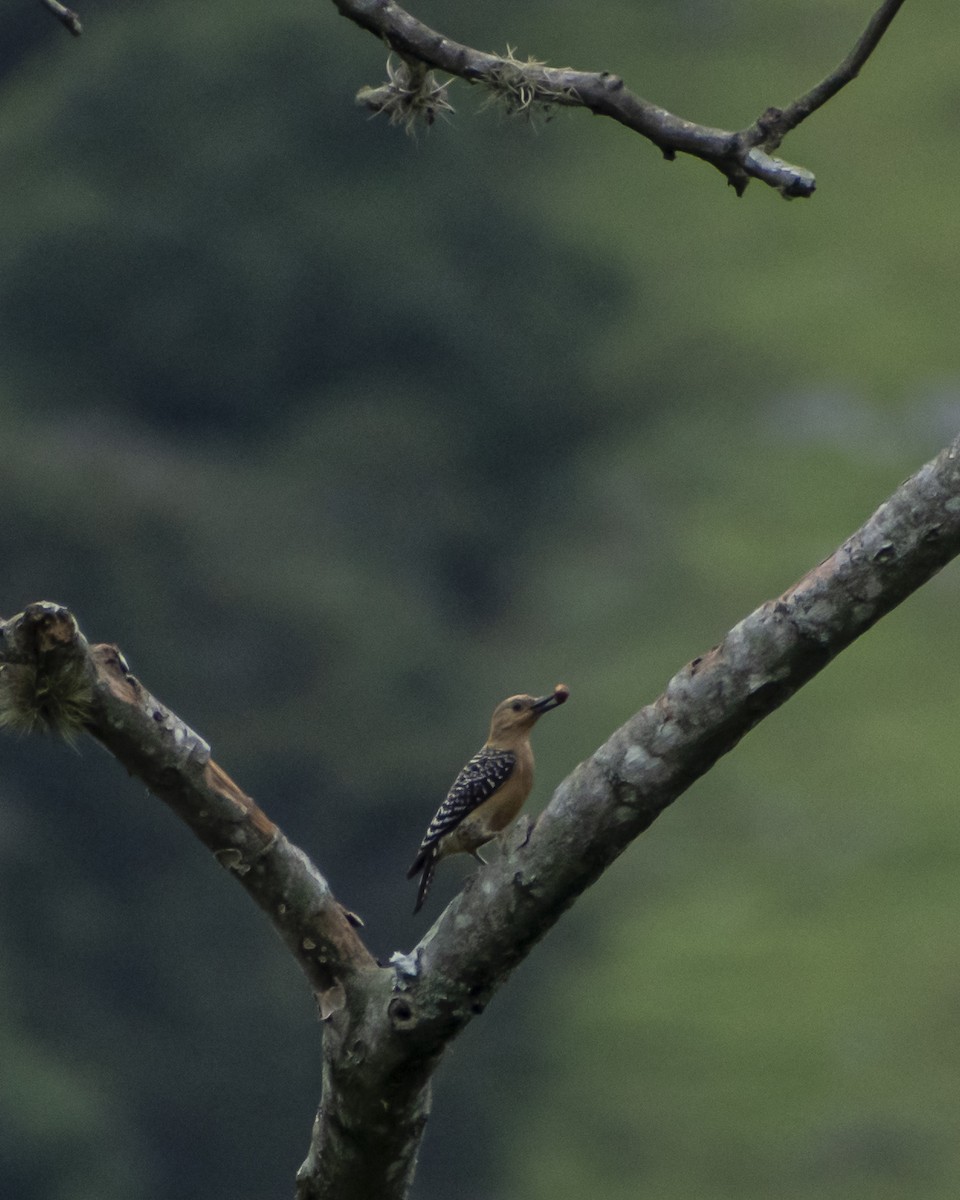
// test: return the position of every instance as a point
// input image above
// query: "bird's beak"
(555, 698)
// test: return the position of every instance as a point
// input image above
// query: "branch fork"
(387, 1026)
(522, 86)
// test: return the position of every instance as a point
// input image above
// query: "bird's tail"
(429, 865)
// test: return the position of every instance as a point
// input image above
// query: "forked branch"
(739, 155)
(388, 1025)
(412, 93)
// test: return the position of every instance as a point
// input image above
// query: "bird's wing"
(477, 781)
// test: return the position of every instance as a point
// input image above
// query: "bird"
(490, 789)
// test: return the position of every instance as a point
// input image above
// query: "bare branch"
(66, 16)
(740, 156)
(773, 126)
(49, 675)
(609, 800)
(647, 764)
(387, 1027)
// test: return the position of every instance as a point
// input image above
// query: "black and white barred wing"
(477, 781)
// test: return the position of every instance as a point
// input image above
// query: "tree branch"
(706, 709)
(647, 764)
(773, 126)
(615, 795)
(51, 677)
(740, 156)
(66, 16)
(387, 1027)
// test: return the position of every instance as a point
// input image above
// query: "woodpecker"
(490, 789)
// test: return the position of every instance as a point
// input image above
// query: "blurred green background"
(342, 437)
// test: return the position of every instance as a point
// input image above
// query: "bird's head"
(517, 714)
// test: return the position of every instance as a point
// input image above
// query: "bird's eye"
(517, 705)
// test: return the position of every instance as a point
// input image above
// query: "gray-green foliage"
(343, 437)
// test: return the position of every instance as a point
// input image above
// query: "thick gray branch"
(49, 675)
(375, 1096)
(599, 810)
(706, 709)
(740, 155)
(387, 1027)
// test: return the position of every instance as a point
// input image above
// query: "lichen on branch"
(523, 86)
